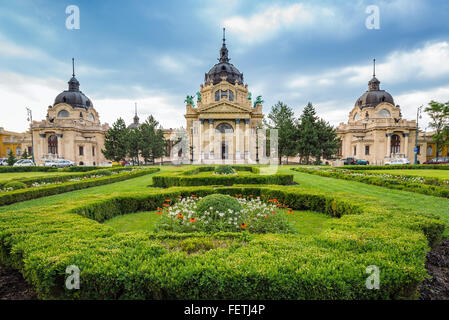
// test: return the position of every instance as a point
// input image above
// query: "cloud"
(427, 63)
(179, 63)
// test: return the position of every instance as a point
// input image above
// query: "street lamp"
(30, 119)
(418, 116)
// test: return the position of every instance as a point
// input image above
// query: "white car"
(3, 162)
(59, 163)
(399, 161)
(24, 163)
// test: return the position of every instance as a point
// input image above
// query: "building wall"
(11, 141)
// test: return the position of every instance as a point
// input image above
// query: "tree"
(439, 114)
(11, 158)
(281, 117)
(306, 134)
(328, 141)
(133, 144)
(152, 142)
(116, 141)
(25, 154)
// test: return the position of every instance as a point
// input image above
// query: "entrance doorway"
(224, 151)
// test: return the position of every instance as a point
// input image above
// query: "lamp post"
(418, 116)
(30, 119)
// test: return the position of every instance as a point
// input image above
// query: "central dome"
(223, 69)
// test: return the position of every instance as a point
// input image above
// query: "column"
(200, 129)
(246, 143)
(211, 135)
(237, 139)
(389, 145)
(406, 144)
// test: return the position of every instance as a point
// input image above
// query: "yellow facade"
(10, 141)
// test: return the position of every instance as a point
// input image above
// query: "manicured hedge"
(378, 180)
(172, 180)
(49, 190)
(141, 265)
(7, 169)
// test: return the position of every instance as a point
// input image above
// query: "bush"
(217, 202)
(15, 185)
(224, 170)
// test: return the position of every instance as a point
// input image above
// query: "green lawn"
(15, 175)
(443, 174)
(304, 222)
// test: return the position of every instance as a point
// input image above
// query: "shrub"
(217, 202)
(15, 185)
(103, 172)
(224, 170)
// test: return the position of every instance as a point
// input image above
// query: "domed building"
(376, 131)
(225, 116)
(71, 130)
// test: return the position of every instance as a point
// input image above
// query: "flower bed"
(52, 189)
(141, 265)
(429, 186)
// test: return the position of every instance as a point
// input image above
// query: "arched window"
(224, 128)
(64, 99)
(53, 144)
(217, 95)
(384, 113)
(91, 117)
(356, 117)
(395, 144)
(231, 95)
(63, 114)
(429, 151)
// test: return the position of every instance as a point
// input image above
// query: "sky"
(154, 53)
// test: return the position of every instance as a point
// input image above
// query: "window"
(395, 144)
(356, 117)
(231, 95)
(384, 113)
(18, 151)
(81, 151)
(224, 94)
(30, 151)
(419, 150)
(367, 150)
(355, 150)
(53, 144)
(429, 152)
(224, 128)
(93, 151)
(63, 114)
(217, 95)
(91, 117)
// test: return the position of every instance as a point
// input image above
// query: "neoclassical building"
(71, 130)
(377, 132)
(225, 118)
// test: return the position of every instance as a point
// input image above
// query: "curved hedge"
(391, 167)
(378, 180)
(143, 265)
(49, 190)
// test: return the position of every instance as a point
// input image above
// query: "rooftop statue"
(250, 96)
(258, 100)
(189, 100)
(198, 96)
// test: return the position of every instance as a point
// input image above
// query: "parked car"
(24, 163)
(59, 163)
(349, 161)
(398, 161)
(3, 162)
(439, 160)
(362, 162)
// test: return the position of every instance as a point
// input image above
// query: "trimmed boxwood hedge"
(49, 190)
(377, 180)
(410, 166)
(141, 265)
(191, 178)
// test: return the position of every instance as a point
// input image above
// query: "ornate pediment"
(224, 107)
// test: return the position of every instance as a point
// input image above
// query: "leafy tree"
(328, 141)
(11, 158)
(281, 117)
(439, 113)
(116, 141)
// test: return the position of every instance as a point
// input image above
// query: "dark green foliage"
(116, 141)
(439, 115)
(224, 170)
(218, 202)
(15, 185)
(11, 158)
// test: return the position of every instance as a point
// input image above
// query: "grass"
(443, 174)
(304, 222)
(16, 175)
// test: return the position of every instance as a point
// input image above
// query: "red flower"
(266, 217)
(290, 211)
(244, 225)
(167, 200)
(274, 212)
(159, 209)
(180, 216)
(166, 205)
(159, 212)
(192, 220)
